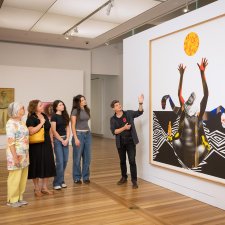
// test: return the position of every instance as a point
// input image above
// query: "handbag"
(38, 137)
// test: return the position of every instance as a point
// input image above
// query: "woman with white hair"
(17, 155)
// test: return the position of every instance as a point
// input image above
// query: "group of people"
(36, 161)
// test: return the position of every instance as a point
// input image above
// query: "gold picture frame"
(6, 97)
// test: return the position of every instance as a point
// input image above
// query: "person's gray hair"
(14, 108)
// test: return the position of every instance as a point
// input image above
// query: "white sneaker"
(57, 187)
(14, 204)
(64, 185)
(22, 202)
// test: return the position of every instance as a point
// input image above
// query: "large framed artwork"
(187, 98)
(6, 97)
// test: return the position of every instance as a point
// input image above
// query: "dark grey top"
(114, 124)
(82, 121)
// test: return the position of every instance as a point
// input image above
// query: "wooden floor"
(103, 202)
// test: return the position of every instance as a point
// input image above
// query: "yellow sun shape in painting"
(191, 44)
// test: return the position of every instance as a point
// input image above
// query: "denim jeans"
(130, 149)
(84, 152)
(61, 155)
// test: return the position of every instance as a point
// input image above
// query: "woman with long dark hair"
(42, 163)
(61, 134)
(81, 140)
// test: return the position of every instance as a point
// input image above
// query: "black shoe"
(135, 185)
(87, 181)
(123, 180)
(77, 182)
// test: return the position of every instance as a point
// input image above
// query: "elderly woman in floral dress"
(17, 155)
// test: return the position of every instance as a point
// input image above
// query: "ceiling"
(52, 22)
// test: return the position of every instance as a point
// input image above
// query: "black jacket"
(130, 114)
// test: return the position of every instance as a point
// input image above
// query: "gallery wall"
(137, 80)
(106, 60)
(41, 83)
(109, 87)
(24, 55)
(106, 85)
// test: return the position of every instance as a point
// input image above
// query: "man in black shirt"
(122, 126)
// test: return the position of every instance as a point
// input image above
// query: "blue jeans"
(61, 155)
(84, 152)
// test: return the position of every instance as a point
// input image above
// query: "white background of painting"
(136, 81)
(168, 52)
(45, 84)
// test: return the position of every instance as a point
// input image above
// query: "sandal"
(47, 192)
(38, 193)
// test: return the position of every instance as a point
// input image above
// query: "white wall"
(136, 81)
(107, 67)
(12, 54)
(97, 105)
(41, 83)
(112, 88)
(106, 60)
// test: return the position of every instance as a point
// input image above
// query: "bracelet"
(140, 103)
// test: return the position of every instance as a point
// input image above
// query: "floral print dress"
(18, 135)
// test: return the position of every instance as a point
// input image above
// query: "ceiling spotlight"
(186, 9)
(67, 36)
(109, 7)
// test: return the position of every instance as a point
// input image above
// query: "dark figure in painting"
(190, 142)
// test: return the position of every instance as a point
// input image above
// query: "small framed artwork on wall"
(6, 97)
